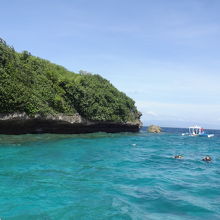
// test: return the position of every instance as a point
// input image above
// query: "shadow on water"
(18, 140)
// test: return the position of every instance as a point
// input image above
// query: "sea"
(123, 176)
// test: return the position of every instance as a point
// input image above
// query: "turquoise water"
(109, 176)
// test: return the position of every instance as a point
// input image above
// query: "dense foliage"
(36, 86)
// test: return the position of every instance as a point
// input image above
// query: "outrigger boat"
(197, 131)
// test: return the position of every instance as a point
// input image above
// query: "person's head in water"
(178, 157)
(207, 158)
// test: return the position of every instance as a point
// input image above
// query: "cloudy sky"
(163, 54)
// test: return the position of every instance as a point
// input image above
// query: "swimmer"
(178, 157)
(207, 158)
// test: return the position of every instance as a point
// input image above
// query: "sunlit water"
(109, 176)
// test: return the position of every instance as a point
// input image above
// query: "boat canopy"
(196, 130)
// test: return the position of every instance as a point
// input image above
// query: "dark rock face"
(23, 124)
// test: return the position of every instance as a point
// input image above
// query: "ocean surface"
(109, 176)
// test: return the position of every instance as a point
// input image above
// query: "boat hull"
(206, 135)
(198, 135)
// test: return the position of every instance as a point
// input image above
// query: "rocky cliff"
(21, 123)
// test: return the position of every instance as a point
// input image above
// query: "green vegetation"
(36, 86)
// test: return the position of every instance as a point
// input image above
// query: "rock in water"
(154, 129)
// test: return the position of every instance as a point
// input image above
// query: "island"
(37, 96)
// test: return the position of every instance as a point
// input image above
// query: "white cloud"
(151, 113)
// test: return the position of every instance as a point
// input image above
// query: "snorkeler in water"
(207, 159)
(178, 157)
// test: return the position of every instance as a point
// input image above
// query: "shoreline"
(20, 123)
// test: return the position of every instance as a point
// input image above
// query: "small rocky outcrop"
(154, 129)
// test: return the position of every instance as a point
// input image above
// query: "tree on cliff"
(36, 86)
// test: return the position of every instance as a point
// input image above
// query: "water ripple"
(109, 176)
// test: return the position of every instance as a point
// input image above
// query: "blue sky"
(163, 54)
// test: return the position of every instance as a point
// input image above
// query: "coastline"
(21, 123)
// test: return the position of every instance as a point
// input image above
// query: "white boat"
(197, 131)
